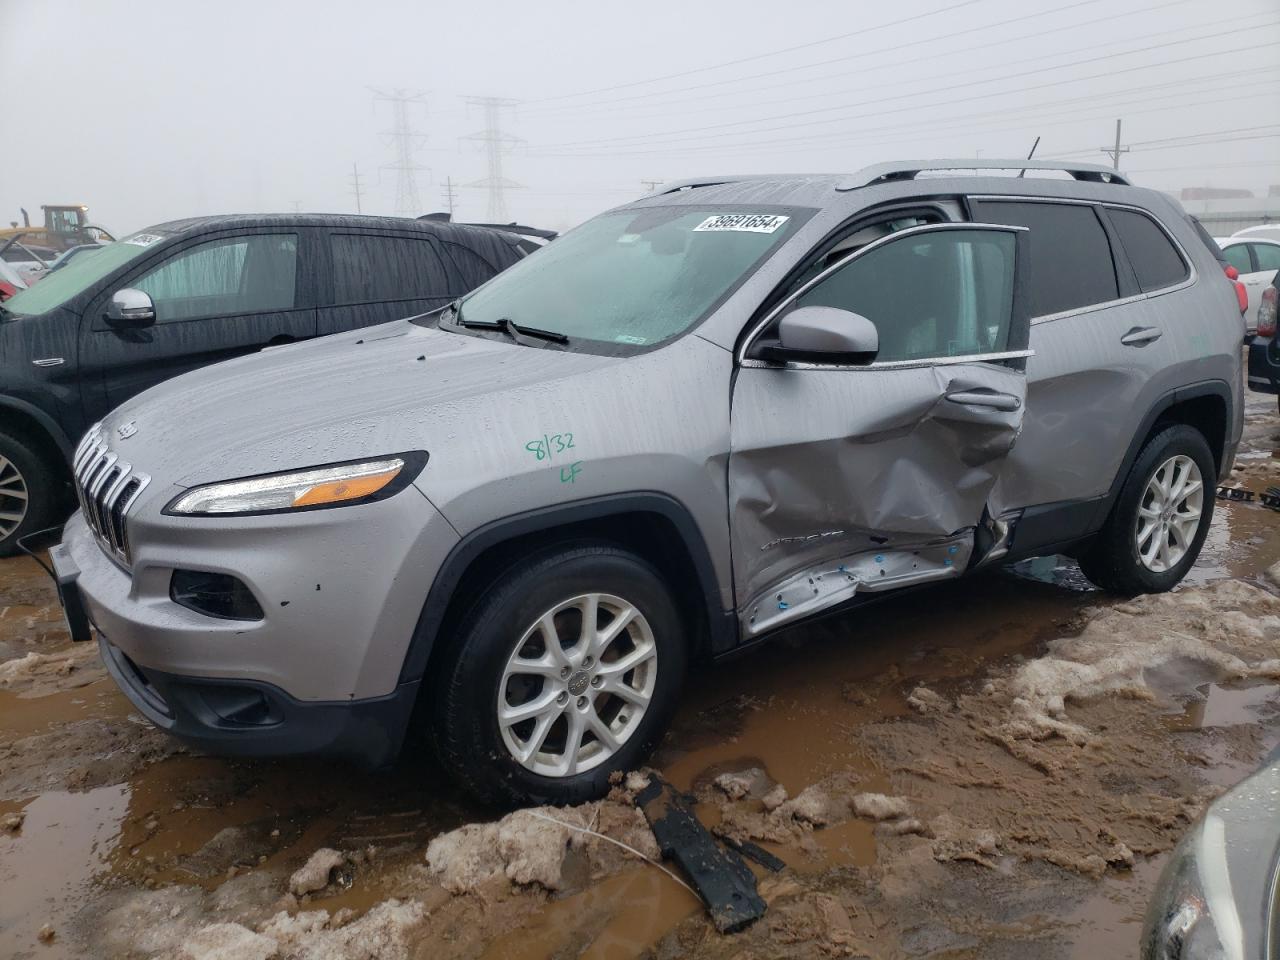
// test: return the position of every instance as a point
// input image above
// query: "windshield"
(80, 273)
(632, 277)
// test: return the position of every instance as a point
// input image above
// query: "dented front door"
(850, 479)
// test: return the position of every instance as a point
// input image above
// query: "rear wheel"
(564, 673)
(1159, 522)
(28, 493)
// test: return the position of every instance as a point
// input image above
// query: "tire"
(28, 493)
(482, 752)
(1115, 561)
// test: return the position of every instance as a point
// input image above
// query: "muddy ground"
(993, 768)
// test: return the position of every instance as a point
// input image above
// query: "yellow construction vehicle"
(65, 226)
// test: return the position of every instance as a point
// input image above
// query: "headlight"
(317, 487)
(1193, 915)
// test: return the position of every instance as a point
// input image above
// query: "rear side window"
(1155, 259)
(1268, 255)
(1238, 256)
(473, 269)
(372, 269)
(1071, 265)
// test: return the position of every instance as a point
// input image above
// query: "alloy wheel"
(577, 685)
(1169, 514)
(13, 497)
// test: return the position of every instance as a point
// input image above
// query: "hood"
(381, 390)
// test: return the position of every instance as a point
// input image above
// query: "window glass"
(473, 269)
(1238, 256)
(1155, 259)
(1071, 265)
(56, 288)
(1268, 255)
(943, 294)
(254, 274)
(633, 277)
(372, 269)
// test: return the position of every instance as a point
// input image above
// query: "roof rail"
(907, 170)
(676, 186)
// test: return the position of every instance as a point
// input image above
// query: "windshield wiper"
(511, 329)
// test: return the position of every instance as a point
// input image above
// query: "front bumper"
(1263, 375)
(252, 719)
(340, 592)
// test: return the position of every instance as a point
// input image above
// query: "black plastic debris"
(721, 877)
(753, 851)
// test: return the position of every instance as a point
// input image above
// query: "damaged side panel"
(843, 480)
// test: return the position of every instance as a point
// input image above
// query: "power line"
(755, 104)
(762, 56)
(966, 121)
(914, 45)
(356, 186)
(1116, 150)
(496, 144)
(406, 140)
(449, 195)
(1179, 141)
(672, 135)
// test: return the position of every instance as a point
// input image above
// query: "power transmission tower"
(450, 195)
(356, 186)
(406, 141)
(651, 185)
(297, 205)
(496, 144)
(1114, 152)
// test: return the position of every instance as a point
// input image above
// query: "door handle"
(997, 401)
(1141, 336)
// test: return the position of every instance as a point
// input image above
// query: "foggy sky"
(150, 110)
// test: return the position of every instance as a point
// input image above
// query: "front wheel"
(28, 493)
(1159, 522)
(567, 671)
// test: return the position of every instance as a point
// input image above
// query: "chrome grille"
(107, 487)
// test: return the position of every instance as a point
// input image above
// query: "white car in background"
(1268, 231)
(1257, 258)
(10, 281)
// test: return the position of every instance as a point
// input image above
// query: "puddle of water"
(1243, 540)
(1226, 706)
(1109, 923)
(620, 917)
(47, 867)
(27, 715)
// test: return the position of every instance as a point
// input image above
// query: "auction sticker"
(144, 239)
(742, 222)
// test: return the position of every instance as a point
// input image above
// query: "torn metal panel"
(722, 878)
(831, 465)
(886, 568)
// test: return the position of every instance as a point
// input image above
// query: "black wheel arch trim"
(722, 624)
(46, 423)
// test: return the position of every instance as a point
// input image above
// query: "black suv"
(188, 293)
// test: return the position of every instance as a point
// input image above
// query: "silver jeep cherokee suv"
(694, 420)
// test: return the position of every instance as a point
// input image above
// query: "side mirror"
(824, 335)
(131, 308)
